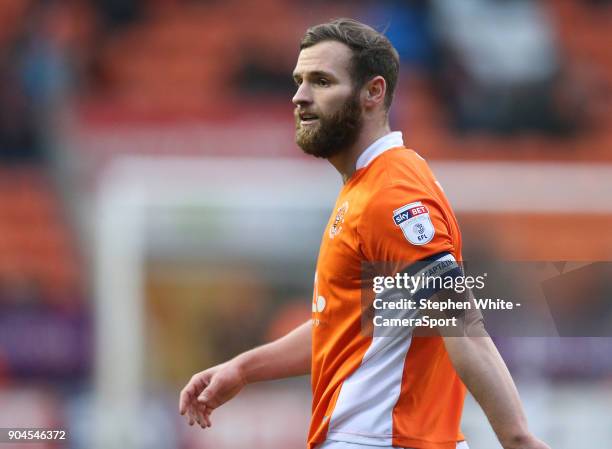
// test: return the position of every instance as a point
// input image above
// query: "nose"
(303, 95)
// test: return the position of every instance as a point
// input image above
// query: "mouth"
(307, 118)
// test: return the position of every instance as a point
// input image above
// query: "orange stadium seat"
(34, 242)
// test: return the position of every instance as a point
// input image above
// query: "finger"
(207, 420)
(206, 399)
(186, 396)
(182, 402)
(183, 398)
(207, 396)
(195, 413)
(201, 419)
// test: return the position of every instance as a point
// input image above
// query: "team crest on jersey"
(336, 226)
(414, 221)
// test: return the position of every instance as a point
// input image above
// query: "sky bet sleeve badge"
(415, 223)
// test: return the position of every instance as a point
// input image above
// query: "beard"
(332, 134)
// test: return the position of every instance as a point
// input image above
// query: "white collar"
(386, 142)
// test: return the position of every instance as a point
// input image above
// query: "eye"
(323, 82)
(297, 81)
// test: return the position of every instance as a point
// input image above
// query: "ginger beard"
(332, 133)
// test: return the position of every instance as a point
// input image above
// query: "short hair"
(373, 53)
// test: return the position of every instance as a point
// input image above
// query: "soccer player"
(369, 390)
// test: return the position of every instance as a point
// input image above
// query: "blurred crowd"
(498, 66)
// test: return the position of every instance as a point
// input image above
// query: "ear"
(374, 92)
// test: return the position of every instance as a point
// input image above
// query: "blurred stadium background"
(156, 216)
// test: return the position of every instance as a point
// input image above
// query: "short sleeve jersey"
(382, 391)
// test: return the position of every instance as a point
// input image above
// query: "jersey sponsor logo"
(406, 213)
(415, 222)
(336, 226)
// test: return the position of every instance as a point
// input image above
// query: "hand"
(208, 390)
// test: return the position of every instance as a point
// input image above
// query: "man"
(367, 390)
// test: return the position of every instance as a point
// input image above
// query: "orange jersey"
(373, 390)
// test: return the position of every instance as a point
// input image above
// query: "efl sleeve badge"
(415, 223)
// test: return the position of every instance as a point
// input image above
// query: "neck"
(346, 161)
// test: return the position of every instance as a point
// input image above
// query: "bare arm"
(486, 376)
(286, 357)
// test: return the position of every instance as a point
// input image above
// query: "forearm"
(486, 376)
(286, 357)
